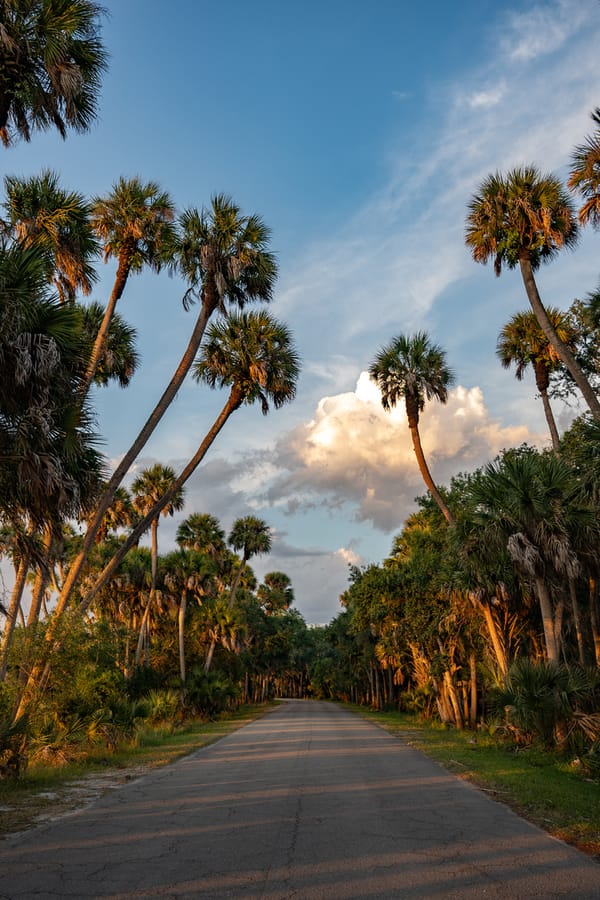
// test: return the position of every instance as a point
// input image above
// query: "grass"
(51, 789)
(544, 788)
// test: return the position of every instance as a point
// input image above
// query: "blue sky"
(358, 132)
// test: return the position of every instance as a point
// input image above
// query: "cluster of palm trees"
(511, 576)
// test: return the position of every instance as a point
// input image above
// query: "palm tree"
(522, 343)
(51, 62)
(253, 355)
(134, 224)
(224, 256)
(147, 490)
(42, 214)
(202, 533)
(119, 358)
(529, 504)
(414, 368)
(585, 174)
(524, 219)
(276, 594)
(253, 537)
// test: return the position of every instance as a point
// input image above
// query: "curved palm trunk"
(133, 452)
(545, 324)
(40, 673)
(493, 631)
(12, 615)
(413, 424)
(123, 270)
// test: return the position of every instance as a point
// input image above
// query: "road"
(308, 802)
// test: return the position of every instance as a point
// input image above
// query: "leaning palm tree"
(524, 219)
(253, 537)
(56, 222)
(253, 355)
(414, 368)
(585, 174)
(224, 257)
(522, 343)
(135, 225)
(51, 62)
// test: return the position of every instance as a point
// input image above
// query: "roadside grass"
(50, 788)
(545, 788)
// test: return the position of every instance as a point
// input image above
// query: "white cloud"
(543, 29)
(353, 454)
(486, 98)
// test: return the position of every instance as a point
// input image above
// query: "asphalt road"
(308, 802)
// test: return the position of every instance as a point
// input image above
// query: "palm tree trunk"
(123, 270)
(493, 631)
(551, 421)
(181, 636)
(209, 655)
(577, 620)
(563, 351)
(12, 614)
(122, 469)
(547, 619)
(426, 474)
(595, 619)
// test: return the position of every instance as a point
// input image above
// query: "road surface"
(308, 802)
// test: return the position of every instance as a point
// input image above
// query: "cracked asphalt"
(308, 802)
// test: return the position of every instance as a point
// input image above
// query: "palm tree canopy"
(250, 535)
(42, 214)
(149, 487)
(201, 532)
(524, 212)
(523, 343)
(119, 358)
(136, 220)
(51, 63)
(254, 353)
(585, 174)
(224, 256)
(413, 368)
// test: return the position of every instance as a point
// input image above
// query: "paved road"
(308, 802)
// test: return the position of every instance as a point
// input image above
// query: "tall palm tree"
(523, 343)
(147, 489)
(253, 537)
(42, 214)
(414, 368)
(524, 219)
(585, 174)
(135, 225)
(252, 354)
(224, 257)
(51, 63)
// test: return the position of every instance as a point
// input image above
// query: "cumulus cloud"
(352, 453)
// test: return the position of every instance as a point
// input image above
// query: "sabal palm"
(522, 343)
(118, 358)
(585, 174)
(269, 376)
(202, 533)
(51, 63)
(253, 537)
(525, 219)
(529, 503)
(42, 214)
(414, 369)
(275, 593)
(135, 225)
(224, 256)
(147, 489)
